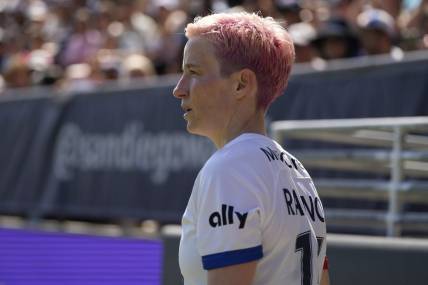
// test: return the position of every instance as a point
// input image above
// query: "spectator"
(335, 40)
(347, 9)
(137, 66)
(416, 27)
(83, 42)
(171, 21)
(106, 67)
(377, 31)
(17, 73)
(289, 10)
(148, 29)
(79, 77)
(303, 34)
(130, 39)
(392, 7)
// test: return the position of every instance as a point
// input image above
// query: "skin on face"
(335, 48)
(375, 41)
(207, 97)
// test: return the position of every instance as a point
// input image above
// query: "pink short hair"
(244, 40)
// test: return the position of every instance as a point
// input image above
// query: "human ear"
(241, 85)
(242, 80)
(246, 82)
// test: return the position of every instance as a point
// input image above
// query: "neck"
(254, 124)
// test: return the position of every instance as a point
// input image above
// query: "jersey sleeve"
(228, 228)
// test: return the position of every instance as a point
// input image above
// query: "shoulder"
(238, 169)
(243, 157)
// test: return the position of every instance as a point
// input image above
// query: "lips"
(186, 110)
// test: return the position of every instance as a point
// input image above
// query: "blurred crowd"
(76, 45)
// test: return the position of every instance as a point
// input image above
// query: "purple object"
(43, 258)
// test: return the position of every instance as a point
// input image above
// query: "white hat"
(377, 19)
(302, 33)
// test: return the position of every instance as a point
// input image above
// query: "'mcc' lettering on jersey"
(226, 217)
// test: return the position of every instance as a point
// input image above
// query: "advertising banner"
(41, 258)
(125, 153)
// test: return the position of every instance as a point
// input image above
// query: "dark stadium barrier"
(353, 260)
(123, 152)
(31, 257)
(356, 260)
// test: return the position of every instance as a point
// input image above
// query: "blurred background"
(58, 43)
(96, 166)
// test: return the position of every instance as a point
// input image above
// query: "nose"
(181, 89)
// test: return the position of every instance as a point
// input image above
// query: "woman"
(254, 216)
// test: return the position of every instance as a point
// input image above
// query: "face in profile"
(206, 95)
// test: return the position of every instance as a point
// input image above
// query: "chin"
(195, 131)
(191, 129)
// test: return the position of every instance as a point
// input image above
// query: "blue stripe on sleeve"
(222, 259)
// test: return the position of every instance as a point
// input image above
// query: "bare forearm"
(325, 278)
(241, 274)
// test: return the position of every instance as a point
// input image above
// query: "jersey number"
(303, 244)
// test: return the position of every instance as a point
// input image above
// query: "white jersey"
(254, 201)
